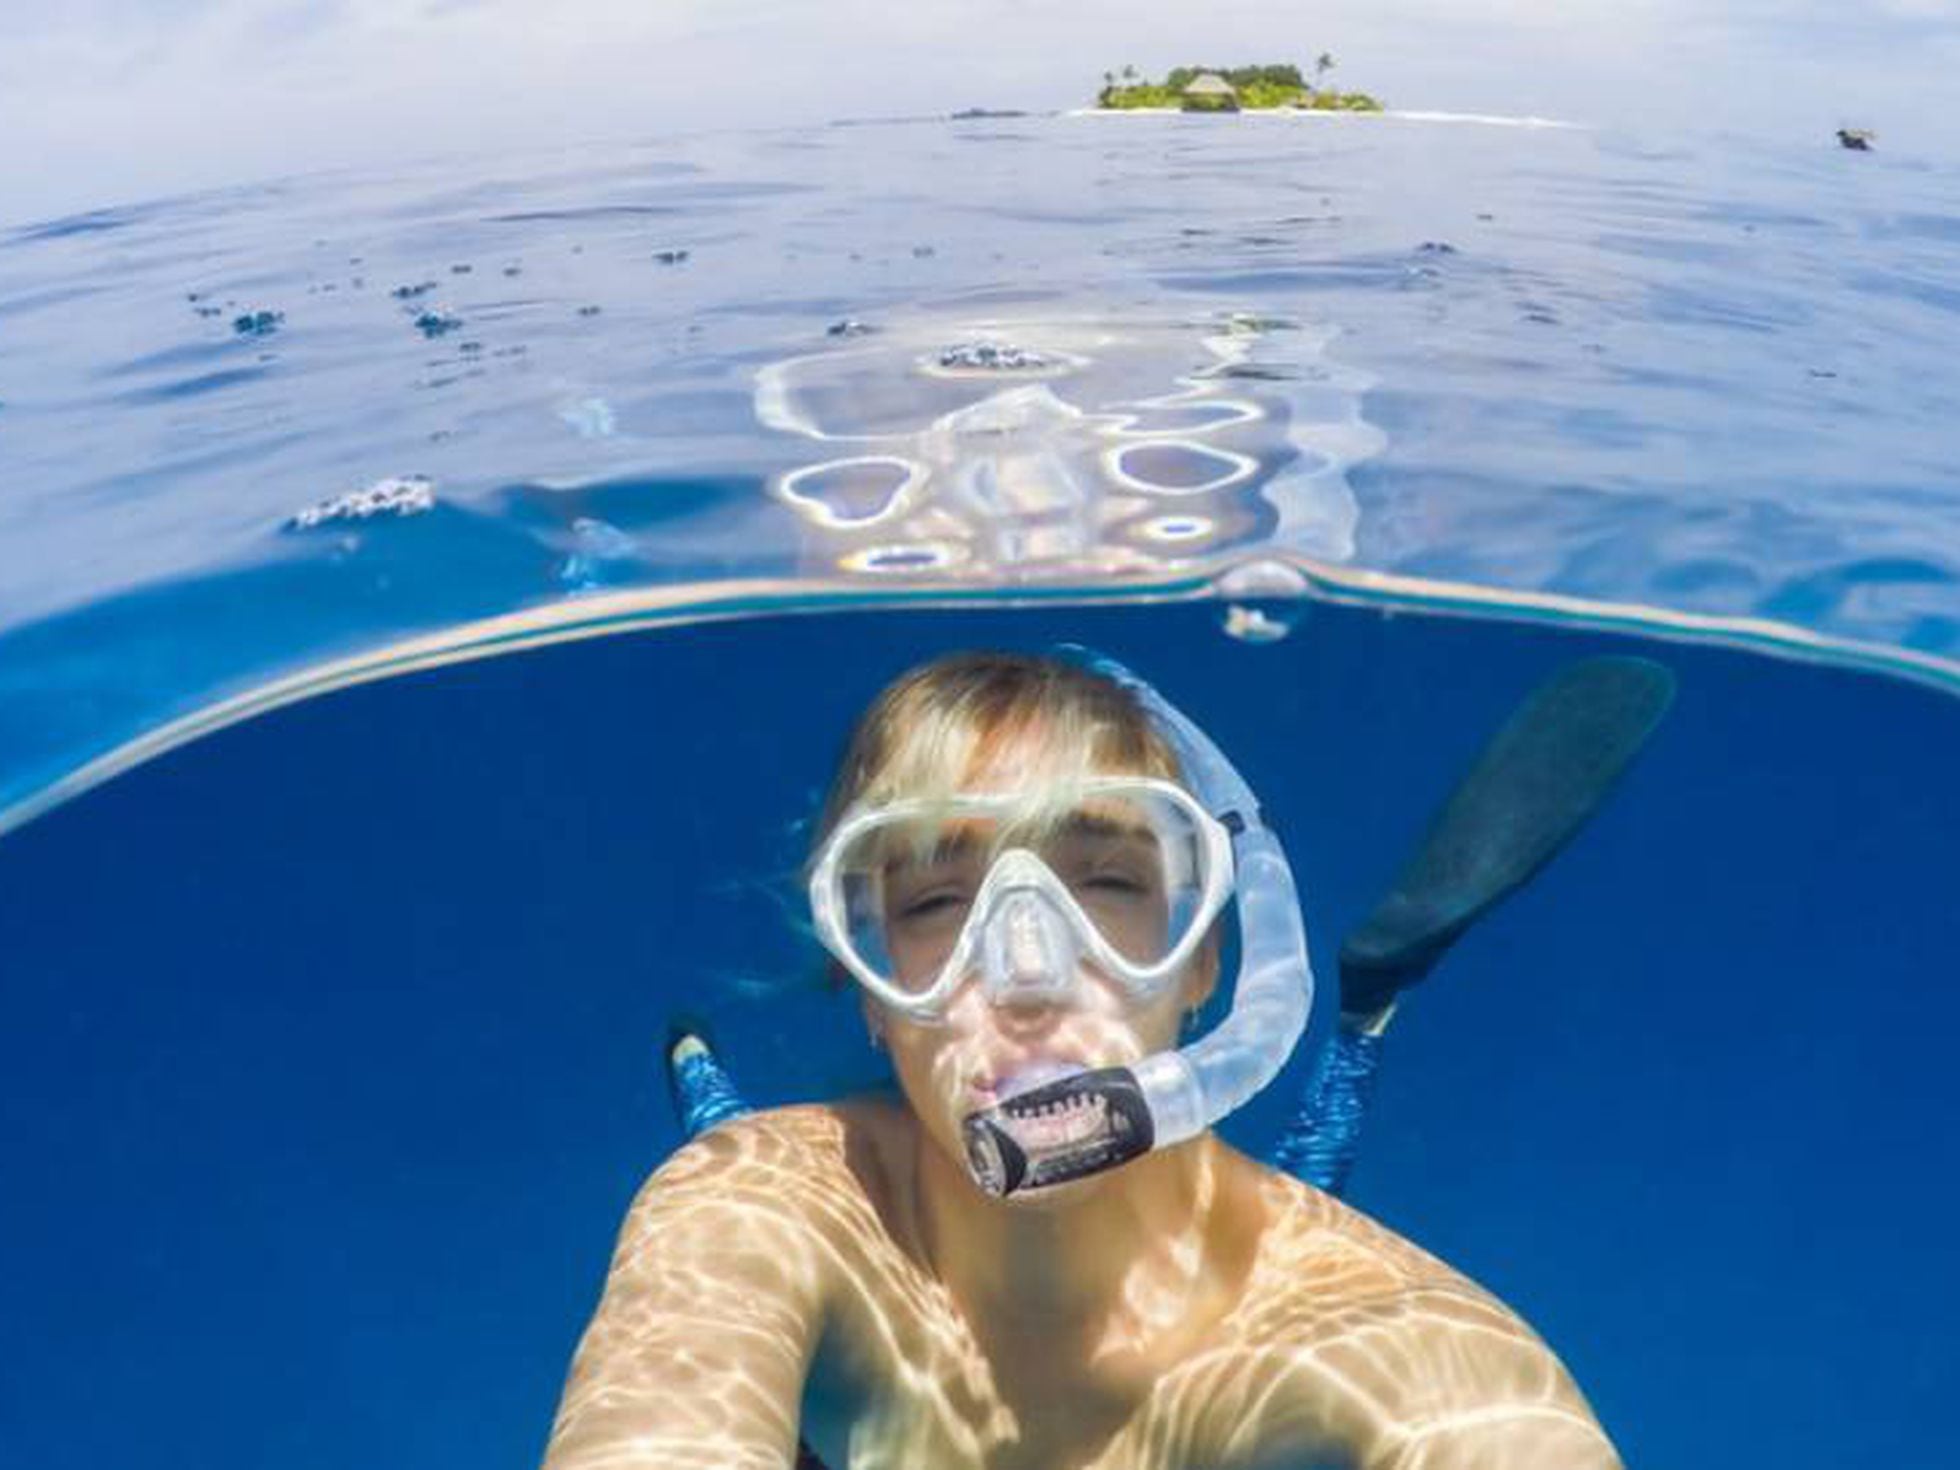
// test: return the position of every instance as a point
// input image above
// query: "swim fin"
(1531, 789)
(702, 1093)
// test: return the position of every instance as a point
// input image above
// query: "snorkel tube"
(1091, 1120)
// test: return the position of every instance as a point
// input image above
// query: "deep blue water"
(330, 1057)
(329, 1063)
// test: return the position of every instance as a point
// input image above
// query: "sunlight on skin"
(1191, 1308)
(1305, 1331)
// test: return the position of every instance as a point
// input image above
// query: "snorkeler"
(1530, 790)
(1043, 1256)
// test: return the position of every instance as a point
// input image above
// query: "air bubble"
(1258, 580)
(1254, 625)
(1279, 590)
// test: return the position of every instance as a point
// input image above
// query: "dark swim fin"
(1531, 789)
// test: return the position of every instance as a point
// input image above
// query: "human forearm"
(699, 1348)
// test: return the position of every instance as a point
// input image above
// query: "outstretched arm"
(698, 1352)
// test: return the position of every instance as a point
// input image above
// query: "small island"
(1232, 89)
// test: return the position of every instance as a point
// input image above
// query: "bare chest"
(917, 1386)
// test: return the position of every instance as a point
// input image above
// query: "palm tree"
(1129, 74)
(1322, 64)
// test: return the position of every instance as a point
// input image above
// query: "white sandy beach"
(1495, 120)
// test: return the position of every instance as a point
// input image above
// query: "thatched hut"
(1209, 92)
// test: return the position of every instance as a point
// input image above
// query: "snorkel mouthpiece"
(1078, 1125)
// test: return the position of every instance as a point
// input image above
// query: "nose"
(1024, 946)
(1029, 955)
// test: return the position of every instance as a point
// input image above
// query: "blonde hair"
(934, 726)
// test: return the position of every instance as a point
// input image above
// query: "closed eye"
(933, 904)
(1114, 883)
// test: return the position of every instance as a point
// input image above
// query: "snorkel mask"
(918, 898)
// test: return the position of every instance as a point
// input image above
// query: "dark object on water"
(433, 324)
(257, 323)
(1531, 789)
(1858, 140)
(970, 114)
(670, 257)
(409, 293)
(850, 326)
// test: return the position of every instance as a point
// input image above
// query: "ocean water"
(330, 1055)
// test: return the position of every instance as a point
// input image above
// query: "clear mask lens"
(1132, 860)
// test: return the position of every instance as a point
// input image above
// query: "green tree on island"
(1267, 88)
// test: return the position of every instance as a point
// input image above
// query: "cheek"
(925, 1057)
(1157, 1025)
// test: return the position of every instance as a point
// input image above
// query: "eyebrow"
(901, 854)
(1088, 825)
(963, 840)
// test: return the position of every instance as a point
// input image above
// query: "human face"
(910, 894)
(983, 1037)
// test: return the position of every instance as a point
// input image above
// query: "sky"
(110, 101)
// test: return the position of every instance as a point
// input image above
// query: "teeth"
(1061, 1125)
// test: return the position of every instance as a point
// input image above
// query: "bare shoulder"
(1369, 1341)
(778, 1145)
(1316, 1247)
(780, 1169)
(816, 1170)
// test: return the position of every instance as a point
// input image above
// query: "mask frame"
(1016, 870)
